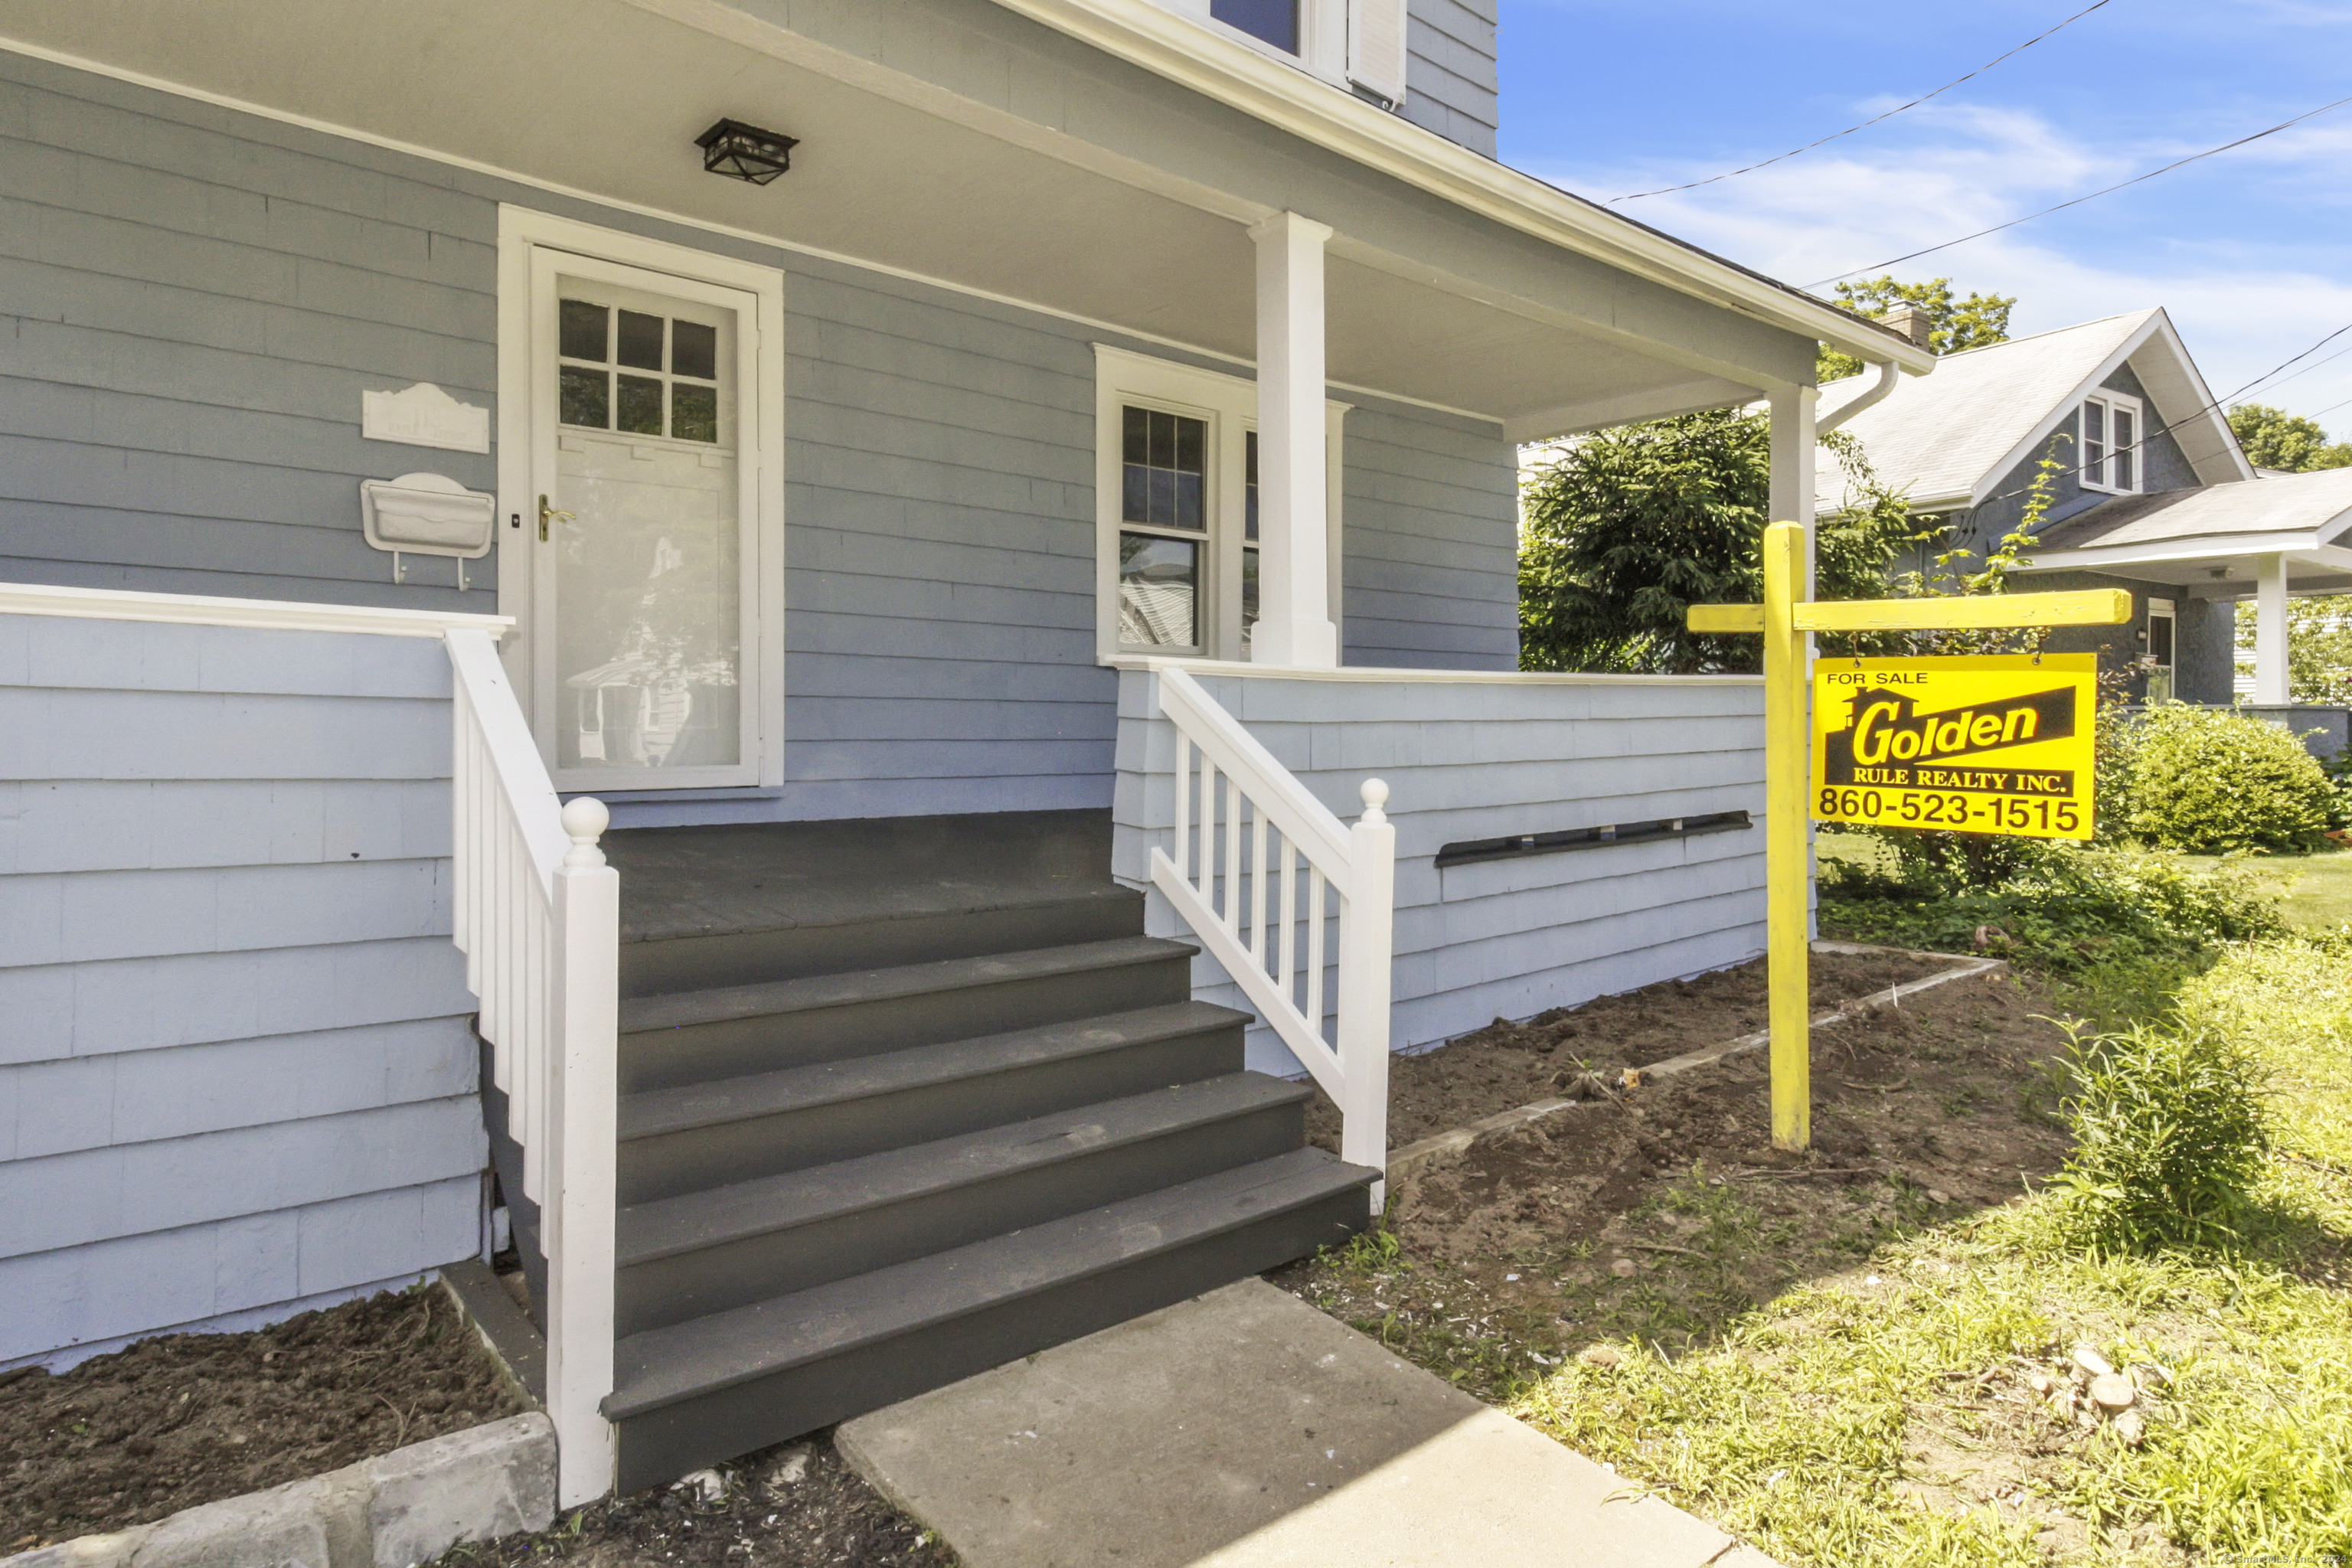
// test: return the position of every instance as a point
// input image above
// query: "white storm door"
(646, 656)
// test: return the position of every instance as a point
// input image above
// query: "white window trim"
(1322, 36)
(2112, 401)
(1228, 403)
(760, 422)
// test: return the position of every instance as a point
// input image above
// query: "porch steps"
(904, 1100)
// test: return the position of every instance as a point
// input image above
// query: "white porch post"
(2270, 630)
(1795, 442)
(1293, 625)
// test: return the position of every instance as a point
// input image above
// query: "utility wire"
(1866, 124)
(2078, 201)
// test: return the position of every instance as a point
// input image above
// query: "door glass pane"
(1165, 469)
(582, 329)
(640, 406)
(1274, 21)
(1159, 590)
(640, 340)
(648, 576)
(694, 350)
(2159, 640)
(586, 397)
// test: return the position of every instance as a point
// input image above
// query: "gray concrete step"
(735, 1031)
(705, 1252)
(725, 1383)
(700, 1135)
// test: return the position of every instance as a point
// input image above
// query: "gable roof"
(2291, 511)
(1949, 438)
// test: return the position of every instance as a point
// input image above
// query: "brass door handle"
(547, 514)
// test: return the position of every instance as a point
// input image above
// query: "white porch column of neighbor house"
(2270, 630)
(1294, 625)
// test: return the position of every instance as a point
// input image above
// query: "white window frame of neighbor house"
(1227, 404)
(2096, 471)
(2161, 675)
(1347, 43)
(528, 239)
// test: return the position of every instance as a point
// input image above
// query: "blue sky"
(2252, 251)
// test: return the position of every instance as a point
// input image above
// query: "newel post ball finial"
(584, 820)
(1376, 795)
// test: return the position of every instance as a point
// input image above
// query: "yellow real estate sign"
(1998, 743)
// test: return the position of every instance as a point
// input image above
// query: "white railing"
(1263, 881)
(537, 913)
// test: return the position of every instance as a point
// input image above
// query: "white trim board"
(662, 214)
(263, 614)
(524, 234)
(1379, 675)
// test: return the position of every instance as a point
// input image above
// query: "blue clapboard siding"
(1470, 760)
(1452, 85)
(199, 300)
(237, 1075)
(1430, 531)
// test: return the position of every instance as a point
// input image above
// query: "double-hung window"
(1177, 508)
(2111, 443)
(1347, 43)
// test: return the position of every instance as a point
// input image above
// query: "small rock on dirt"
(2132, 1428)
(2091, 1363)
(2112, 1391)
(708, 1485)
(1601, 1355)
(1624, 1269)
(1938, 1195)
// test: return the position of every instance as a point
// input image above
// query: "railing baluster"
(1208, 883)
(1257, 883)
(1289, 966)
(1184, 801)
(1315, 900)
(1232, 906)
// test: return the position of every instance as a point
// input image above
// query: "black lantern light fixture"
(744, 152)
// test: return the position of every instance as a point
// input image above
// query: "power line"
(2306, 370)
(2078, 201)
(1866, 124)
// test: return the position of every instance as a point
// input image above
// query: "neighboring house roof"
(2172, 532)
(1950, 438)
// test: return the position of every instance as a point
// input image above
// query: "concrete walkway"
(1246, 1429)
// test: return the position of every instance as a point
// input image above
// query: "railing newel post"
(582, 1188)
(1367, 940)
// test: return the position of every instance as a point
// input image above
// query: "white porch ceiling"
(603, 98)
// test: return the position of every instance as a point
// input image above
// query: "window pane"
(2159, 640)
(2124, 463)
(1249, 595)
(640, 406)
(1166, 469)
(1250, 484)
(693, 411)
(580, 329)
(2094, 443)
(1275, 21)
(584, 396)
(694, 350)
(1159, 590)
(641, 340)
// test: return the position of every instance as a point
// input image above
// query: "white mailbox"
(427, 514)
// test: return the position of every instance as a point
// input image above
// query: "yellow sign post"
(1784, 619)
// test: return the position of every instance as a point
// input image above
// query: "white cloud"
(2243, 302)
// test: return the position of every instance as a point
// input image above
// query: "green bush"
(2170, 1134)
(2208, 780)
(2052, 906)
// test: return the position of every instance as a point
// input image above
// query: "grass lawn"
(1907, 1407)
(2318, 888)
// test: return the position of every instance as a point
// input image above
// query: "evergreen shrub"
(2206, 780)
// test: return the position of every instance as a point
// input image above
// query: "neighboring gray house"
(2133, 430)
(877, 449)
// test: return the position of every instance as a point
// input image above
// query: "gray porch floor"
(1246, 1429)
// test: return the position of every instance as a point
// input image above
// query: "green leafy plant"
(2206, 780)
(1956, 324)
(2170, 1134)
(2273, 439)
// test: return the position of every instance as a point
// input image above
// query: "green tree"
(2318, 646)
(2273, 439)
(1958, 324)
(1625, 529)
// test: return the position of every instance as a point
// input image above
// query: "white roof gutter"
(1144, 34)
(1875, 392)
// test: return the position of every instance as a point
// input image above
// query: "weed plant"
(2170, 1135)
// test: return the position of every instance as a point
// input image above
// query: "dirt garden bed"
(798, 1505)
(182, 1419)
(1659, 1213)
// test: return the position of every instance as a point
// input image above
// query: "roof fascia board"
(1150, 36)
(2207, 546)
(2233, 465)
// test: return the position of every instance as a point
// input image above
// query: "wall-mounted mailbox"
(427, 514)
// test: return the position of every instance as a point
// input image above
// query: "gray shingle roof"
(2317, 504)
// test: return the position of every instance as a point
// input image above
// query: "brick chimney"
(1912, 321)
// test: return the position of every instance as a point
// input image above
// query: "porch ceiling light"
(744, 152)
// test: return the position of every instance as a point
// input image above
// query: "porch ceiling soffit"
(1076, 218)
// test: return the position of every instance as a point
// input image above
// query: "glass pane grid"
(679, 399)
(1164, 469)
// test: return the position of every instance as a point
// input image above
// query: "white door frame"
(529, 242)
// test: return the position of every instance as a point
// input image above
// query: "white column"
(1795, 443)
(1293, 625)
(2270, 630)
